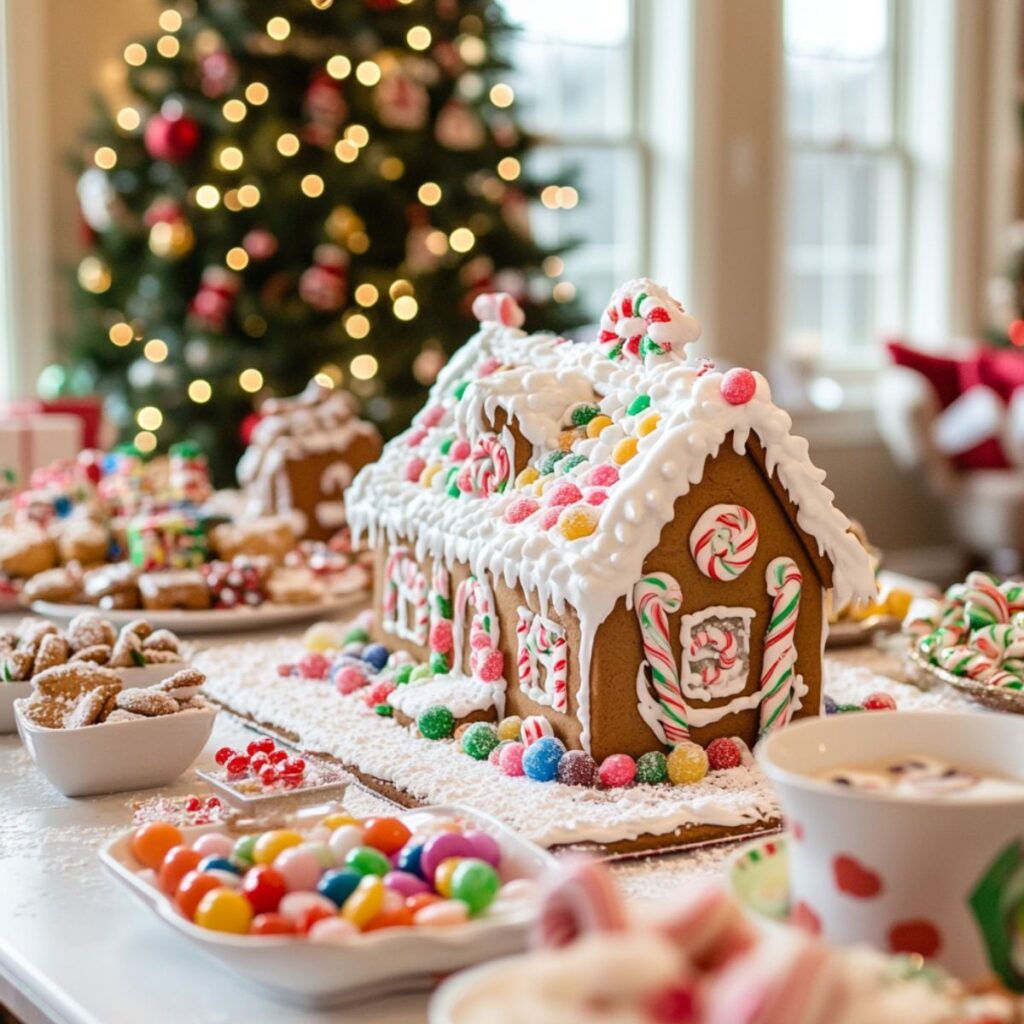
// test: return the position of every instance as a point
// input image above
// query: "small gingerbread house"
(624, 543)
(302, 455)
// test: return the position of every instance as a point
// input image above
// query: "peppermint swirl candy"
(965, 661)
(499, 308)
(643, 319)
(490, 467)
(724, 541)
(984, 603)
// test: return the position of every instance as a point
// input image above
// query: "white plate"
(254, 803)
(318, 975)
(212, 620)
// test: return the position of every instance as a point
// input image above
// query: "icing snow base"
(461, 695)
(550, 814)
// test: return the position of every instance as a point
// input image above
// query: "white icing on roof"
(538, 379)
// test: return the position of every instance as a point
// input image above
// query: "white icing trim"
(461, 694)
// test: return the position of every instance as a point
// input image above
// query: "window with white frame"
(866, 175)
(573, 76)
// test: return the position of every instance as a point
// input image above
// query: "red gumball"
(271, 924)
(264, 888)
(879, 701)
(308, 917)
(723, 753)
(738, 386)
(178, 862)
(173, 140)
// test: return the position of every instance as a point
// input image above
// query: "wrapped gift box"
(88, 410)
(30, 441)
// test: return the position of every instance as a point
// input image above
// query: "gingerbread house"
(625, 544)
(302, 455)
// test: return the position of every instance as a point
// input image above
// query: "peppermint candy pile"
(976, 631)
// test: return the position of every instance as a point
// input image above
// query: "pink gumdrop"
(488, 366)
(494, 755)
(413, 468)
(405, 883)
(738, 386)
(510, 759)
(441, 636)
(441, 847)
(520, 509)
(459, 450)
(602, 476)
(549, 517)
(465, 482)
(490, 667)
(596, 496)
(617, 770)
(432, 416)
(485, 847)
(314, 665)
(415, 437)
(564, 494)
(214, 844)
(349, 679)
(300, 868)
(379, 693)
(444, 912)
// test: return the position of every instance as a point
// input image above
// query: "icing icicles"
(656, 597)
(781, 687)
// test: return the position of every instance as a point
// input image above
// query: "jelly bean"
(193, 887)
(367, 861)
(223, 910)
(152, 841)
(597, 424)
(180, 860)
(264, 888)
(420, 672)
(442, 913)
(321, 637)
(332, 929)
(624, 450)
(270, 844)
(409, 859)
(648, 424)
(271, 924)
(476, 883)
(309, 916)
(422, 899)
(320, 850)
(439, 848)
(540, 761)
(337, 886)
(365, 903)
(356, 635)
(403, 673)
(376, 656)
(638, 405)
(687, 763)
(485, 847)
(405, 883)
(226, 879)
(296, 905)
(299, 867)
(218, 864)
(344, 839)
(388, 835)
(443, 875)
(214, 844)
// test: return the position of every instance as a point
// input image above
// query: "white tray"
(213, 620)
(254, 803)
(319, 975)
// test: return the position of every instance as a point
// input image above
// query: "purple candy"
(484, 847)
(441, 847)
(405, 884)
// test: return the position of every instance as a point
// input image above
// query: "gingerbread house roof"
(594, 499)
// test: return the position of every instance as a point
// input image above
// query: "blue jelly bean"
(831, 707)
(219, 864)
(376, 655)
(337, 886)
(540, 762)
(409, 859)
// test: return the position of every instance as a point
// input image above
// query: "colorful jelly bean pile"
(343, 877)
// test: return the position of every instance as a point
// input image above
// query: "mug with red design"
(929, 863)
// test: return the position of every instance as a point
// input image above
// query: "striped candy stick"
(416, 584)
(524, 659)
(550, 647)
(778, 667)
(655, 597)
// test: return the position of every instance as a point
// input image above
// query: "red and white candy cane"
(655, 597)
(723, 541)
(404, 583)
(643, 319)
(542, 643)
(535, 727)
(483, 623)
(500, 308)
(580, 898)
(490, 467)
(708, 925)
(718, 647)
(778, 668)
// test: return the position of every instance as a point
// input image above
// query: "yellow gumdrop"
(365, 902)
(509, 728)
(270, 844)
(527, 476)
(321, 637)
(428, 474)
(443, 875)
(897, 602)
(687, 763)
(624, 451)
(597, 424)
(578, 522)
(648, 424)
(538, 487)
(337, 819)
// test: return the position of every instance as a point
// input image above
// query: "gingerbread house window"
(541, 660)
(405, 609)
(715, 652)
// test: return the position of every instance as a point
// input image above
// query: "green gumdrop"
(446, 445)
(571, 462)
(638, 405)
(460, 389)
(476, 883)
(444, 607)
(436, 723)
(551, 460)
(420, 672)
(652, 767)
(242, 852)
(479, 740)
(439, 663)
(583, 414)
(367, 861)
(356, 635)
(384, 710)
(402, 674)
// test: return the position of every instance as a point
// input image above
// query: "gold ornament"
(342, 222)
(171, 240)
(94, 275)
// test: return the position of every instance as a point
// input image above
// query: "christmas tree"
(298, 188)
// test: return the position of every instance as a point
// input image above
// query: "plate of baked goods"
(319, 907)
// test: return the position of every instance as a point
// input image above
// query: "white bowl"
(318, 975)
(116, 756)
(9, 693)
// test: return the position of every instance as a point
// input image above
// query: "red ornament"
(738, 386)
(324, 108)
(212, 305)
(325, 284)
(218, 73)
(173, 140)
(1016, 332)
(260, 244)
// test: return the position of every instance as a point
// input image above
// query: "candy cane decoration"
(440, 613)
(404, 583)
(643, 319)
(717, 645)
(984, 602)
(490, 467)
(500, 308)
(483, 629)
(542, 643)
(779, 681)
(655, 597)
(723, 542)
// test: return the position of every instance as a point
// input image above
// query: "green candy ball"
(356, 635)
(402, 674)
(479, 740)
(446, 445)
(583, 414)
(444, 607)
(384, 710)
(439, 663)
(551, 460)
(367, 861)
(460, 389)
(476, 883)
(436, 723)
(652, 767)
(638, 405)
(420, 672)
(242, 851)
